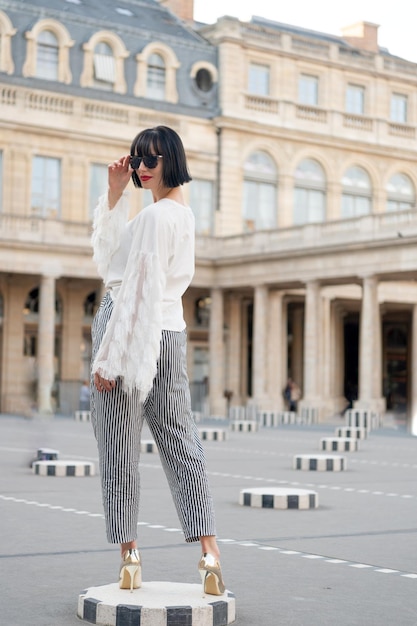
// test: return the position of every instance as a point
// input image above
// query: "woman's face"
(151, 177)
(150, 167)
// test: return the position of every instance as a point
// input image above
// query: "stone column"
(216, 348)
(72, 335)
(276, 352)
(326, 359)
(413, 422)
(16, 383)
(370, 349)
(297, 346)
(235, 349)
(244, 346)
(311, 342)
(46, 339)
(260, 321)
(333, 357)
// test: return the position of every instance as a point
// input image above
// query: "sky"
(397, 30)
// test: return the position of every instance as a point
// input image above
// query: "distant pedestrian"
(292, 394)
(287, 393)
(295, 396)
(85, 396)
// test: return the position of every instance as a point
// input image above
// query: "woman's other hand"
(102, 384)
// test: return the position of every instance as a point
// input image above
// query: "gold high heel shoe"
(130, 570)
(211, 575)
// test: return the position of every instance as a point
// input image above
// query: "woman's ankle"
(209, 545)
(130, 545)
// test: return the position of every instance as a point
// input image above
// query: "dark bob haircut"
(166, 142)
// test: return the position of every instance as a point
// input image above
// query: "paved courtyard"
(351, 561)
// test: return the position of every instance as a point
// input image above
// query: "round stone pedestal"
(279, 498)
(149, 446)
(319, 462)
(339, 444)
(155, 604)
(352, 432)
(82, 416)
(244, 426)
(212, 434)
(47, 454)
(63, 468)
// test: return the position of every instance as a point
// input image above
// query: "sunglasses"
(150, 161)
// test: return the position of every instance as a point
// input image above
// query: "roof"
(115, 15)
(312, 34)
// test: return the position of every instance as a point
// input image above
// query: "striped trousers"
(117, 419)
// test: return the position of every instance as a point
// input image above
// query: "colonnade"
(18, 370)
(315, 351)
(317, 348)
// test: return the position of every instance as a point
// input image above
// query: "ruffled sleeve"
(107, 229)
(131, 344)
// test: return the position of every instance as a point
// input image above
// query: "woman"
(139, 351)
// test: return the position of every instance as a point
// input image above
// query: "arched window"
(91, 303)
(202, 311)
(31, 305)
(47, 57)
(156, 73)
(104, 56)
(6, 33)
(259, 193)
(155, 83)
(104, 66)
(356, 193)
(400, 193)
(47, 52)
(309, 192)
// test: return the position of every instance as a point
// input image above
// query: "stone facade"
(302, 150)
(330, 297)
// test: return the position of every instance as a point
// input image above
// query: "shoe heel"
(130, 574)
(132, 569)
(211, 576)
(130, 577)
(203, 575)
(127, 577)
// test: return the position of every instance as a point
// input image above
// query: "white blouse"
(147, 263)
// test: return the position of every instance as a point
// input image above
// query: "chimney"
(362, 35)
(184, 9)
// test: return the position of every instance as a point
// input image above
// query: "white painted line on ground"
(312, 556)
(247, 544)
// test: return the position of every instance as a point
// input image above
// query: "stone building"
(315, 269)
(302, 151)
(78, 80)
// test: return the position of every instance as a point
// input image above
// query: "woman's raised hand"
(119, 174)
